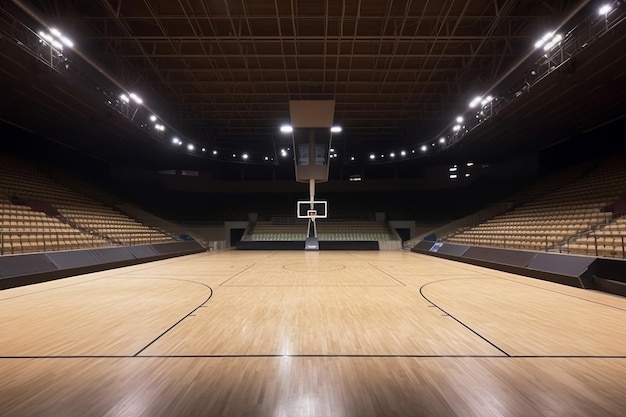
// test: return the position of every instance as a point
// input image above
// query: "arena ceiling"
(221, 72)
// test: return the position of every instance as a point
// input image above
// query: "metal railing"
(16, 242)
(602, 246)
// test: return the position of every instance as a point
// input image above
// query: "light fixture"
(203, 149)
(452, 169)
(548, 41)
(469, 164)
(486, 100)
(475, 102)
(553, 42)
(214, 152)
(153, 118)
(424, 148)
(605, 9)
(392, 154)
(541, 42)
(190, 147)
(456, 128)
(352, 158)
(244, 156)
(459, 119)
(53, 42)
(62, 38)
(442, 140)
(136, 98)
(335, 129)
(124, 98)
(403, 153)
(453, 176)
(286, 129)
(372, 156)
(267, 158)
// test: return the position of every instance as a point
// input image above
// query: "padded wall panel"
(450, 249)
(610, 269)
(72, 259)
(571, 265)
(348, 245)
(270, 245)
(142, 251)
(19, 270)
(17, 265)
(108, 255)
(177, 247)
(424, 245)
(299, 245)
(500, 256)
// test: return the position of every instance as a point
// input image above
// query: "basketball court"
(303, 333)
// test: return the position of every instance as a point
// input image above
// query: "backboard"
(304, 209)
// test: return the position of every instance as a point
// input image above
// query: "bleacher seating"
(327, 230)
(38, 213)
(571, 217)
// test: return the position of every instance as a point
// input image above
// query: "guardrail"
(602, 246)
(29, 242)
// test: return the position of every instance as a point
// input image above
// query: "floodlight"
(286, 129)
(335, 129)
(475, 101)
(553, 42)
(541, 42)
(136, 98)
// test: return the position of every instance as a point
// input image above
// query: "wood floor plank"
(345, 333)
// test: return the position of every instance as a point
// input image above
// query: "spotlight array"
(482, 107)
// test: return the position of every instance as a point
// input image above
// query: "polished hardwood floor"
(238, 333)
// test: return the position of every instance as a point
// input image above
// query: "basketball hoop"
(311, 214)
